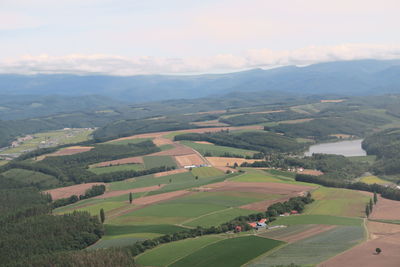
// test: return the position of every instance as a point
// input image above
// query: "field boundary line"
(216, 241)
(214, 212)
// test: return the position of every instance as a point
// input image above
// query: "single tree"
(235, 165)
(375, 198)
(170, 180)
(367, 210)
(370, 206)
(197, 177)
(130, 197)
(378, 250)
(102, 216)
(370, 202)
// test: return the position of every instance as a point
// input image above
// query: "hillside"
(363, 77)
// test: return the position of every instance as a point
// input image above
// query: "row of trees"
(384, 191)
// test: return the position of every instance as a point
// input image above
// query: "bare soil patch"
(64, 192)
(160, 141)
(263, 188)
(131, 160)
(188, 160)
(386, 209)
(135, 190)
(332, 100)
(161, 174)
(379, 229)
(295, 121)
(67, 151)
(364, 254)
(317, 229)
(224, 162)
(263, 205)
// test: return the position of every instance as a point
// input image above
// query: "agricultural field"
(317, 219)
(31, 178)
(167, 254)
(315, 249)
(373, 180)
(125, 167)
(260, 176)
(206, 172)
(52, 138)
(338, 202)
(217, 151)
(229, 252)
(128, 141)
(157, 161)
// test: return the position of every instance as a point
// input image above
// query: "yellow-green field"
(373, 180)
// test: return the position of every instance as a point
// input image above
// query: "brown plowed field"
(160, 141)
(223, 162)
(161, 174)
(131, 160)
(317, 229)
(364, 254)
(177, 151)
(204, 142)
(67, 151)
(379, 229)
(386, 209)
(64, 192)
(135, 190)
(295, 121)
(263, 205)
(264, 188)
(199, 130)
(188, 160)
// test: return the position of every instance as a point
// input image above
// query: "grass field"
(166, 213)
(317, 219)
(287, 231)
(31, 177)
(363, 159)
(206, 172)
(218, 218)
(337, 202)
(157, 161)
(94, 208)
(315, 249)
(3, 162)
(218, 151)
(120, 242)
(257, 176)
(229, 252)
(168, 253)
(128, 141)
(124, 167)
(119, 230)
(373, 180)
(59, 137)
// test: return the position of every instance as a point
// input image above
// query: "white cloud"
(258, 58)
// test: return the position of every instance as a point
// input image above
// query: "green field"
(157, 161)
(337, 202)
(286, 231)
(373, 180)
(206, 172)
(3, 162)
(120, 242)
(166, 254)
(315, 249)
(218, 151)
(229, 252)
(124, 167)
(218, 217)
(94, 209)
(128, 141)
(31, 178)
(259, 176)
(59, 137)
(166, 213)
(317, 219)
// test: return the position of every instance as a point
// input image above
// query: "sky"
(129, 37)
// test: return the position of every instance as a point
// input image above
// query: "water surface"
(346, 148)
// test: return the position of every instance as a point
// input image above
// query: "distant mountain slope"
(361, 77)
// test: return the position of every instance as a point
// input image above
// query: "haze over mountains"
(362, 77)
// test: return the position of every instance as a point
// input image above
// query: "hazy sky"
(125, 37)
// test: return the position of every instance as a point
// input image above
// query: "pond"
(346, 148)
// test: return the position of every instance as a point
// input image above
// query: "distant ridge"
(361, 77)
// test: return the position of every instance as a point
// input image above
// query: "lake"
(345, 148)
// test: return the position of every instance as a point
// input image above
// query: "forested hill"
(346, 77)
